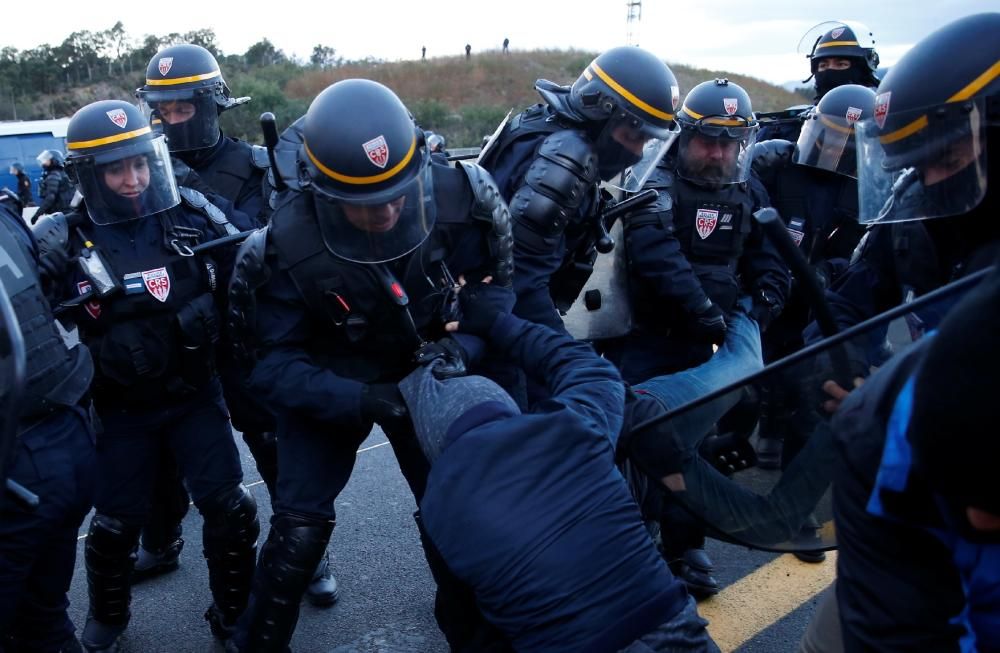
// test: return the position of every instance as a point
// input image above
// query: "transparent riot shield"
(12, 371)
(714, 435)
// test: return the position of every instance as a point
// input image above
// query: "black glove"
(481, 305)
(765, 309)
(53, 260)
(452, 355)
(655, 449)
(708, 323)
(383, 403)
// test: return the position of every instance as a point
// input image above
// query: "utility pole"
(632, 23)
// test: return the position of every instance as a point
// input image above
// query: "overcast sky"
(756, 38)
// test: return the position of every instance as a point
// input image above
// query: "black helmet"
(718, 111)
(629, 97)
(923, 153)
(53, 158)
(848, 40)
(827, 137)
(121, 167)
(17, 166)
(369, 171)
(189, 75)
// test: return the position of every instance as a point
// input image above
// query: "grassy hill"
(462, 99)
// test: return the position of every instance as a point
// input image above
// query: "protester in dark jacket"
(529, 509)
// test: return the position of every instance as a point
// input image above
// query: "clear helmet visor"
(627, 141)
(381, 229)
(864, 35)
(128, 182)
(928, 163)
(716, 151)
(827, 142)
(189, 118)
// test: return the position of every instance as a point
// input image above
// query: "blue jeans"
(53, 458)
(739, 356)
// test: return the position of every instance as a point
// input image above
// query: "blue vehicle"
(22, 140)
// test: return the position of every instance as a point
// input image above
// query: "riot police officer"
(53, 456)
(844, 53)
(151, 320)
(916, 551)
(23, 184)
(54, 190)
(550, 159)
(696, 263)
(354, 278)
(813, 185)
(185, 95)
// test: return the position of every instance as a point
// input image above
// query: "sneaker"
(322, 590)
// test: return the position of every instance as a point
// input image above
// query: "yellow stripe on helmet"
(183, 80)
(625, 93)
(373, 179)
(835, 43)
(834, 126)
(107, 140)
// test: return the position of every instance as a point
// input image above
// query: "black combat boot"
(109, 556)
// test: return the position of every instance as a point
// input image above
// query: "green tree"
(263, 53)
(324, 56)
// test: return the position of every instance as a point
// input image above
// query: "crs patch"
(119, 117)
(882, 108)
(835, 34)
(731, 105)
(675, 95)
(705, 221)
(378, 151)
(93, 308)
(157, 283)
(853, 114)
(164, 65)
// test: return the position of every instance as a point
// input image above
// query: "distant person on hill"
(506, 45)
(423, 52)
(468, 51)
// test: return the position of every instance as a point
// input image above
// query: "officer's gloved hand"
(708, 323)
(481, 304)
(451, 357)
(765, 309)
(655, 449)
(383, 403)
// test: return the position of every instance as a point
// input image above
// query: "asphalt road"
(386, 591)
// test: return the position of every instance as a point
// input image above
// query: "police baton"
(614, 211)
(270, 129)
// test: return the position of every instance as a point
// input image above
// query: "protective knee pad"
(110, 558)
(287, 562)
(230, 540)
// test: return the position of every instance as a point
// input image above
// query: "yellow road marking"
(742, 610)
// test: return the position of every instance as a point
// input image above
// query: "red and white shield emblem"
(731, 104)
(93, 308)
(853, 114)
(705, 221)
(164, 65)
(882, 108)
(675, 95)
(157, 283)
(119, 117)
(835, 34)
(378, 151)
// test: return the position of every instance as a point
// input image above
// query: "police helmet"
(628, 96)
(184, 95)
(369, 172)
(121, 166)
(718, 114)
(53, 158)
(850, 41)
(827, 137)
(924, 151)
(17, 167)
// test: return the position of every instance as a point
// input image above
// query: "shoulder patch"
(193, 197)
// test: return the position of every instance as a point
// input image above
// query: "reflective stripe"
(977, 84)
(183, 80)
(903, 132)
(696, 116)
(76, 145)
(729, 122)
(374, 179)
(834, 126)
(834, 43)
(624, 92)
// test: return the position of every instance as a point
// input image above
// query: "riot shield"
(12, 371)
(788, 509)
(602, 310)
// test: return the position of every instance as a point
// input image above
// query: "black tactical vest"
(236, 170)
(56, 376)
(822, 229)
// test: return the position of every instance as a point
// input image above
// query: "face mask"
(614, 159)
(827, 80)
